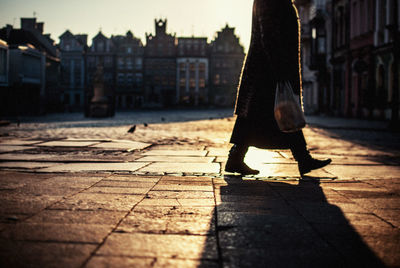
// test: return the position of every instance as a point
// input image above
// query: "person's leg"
(305, 161)
(236, 164)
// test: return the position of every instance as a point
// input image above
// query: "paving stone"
(26, 157)
(166, 246)
(390, 215)
(12, 181)
(217, 152)
(122, 145)
(13, 148)
(249, 219)
(27, 165)
(66, 143)
(95, 201)
(133, 178)
(363, 172)
(105, 218)
(379, 203)
(180, 195)
(177, 159)
(21, 253)
(187, 179)
(286, 170)
(347, 241)
(268, 257)
(132, 184)
(169, 220)
(175, 153)
(81, 167)
(386, 247)
(58, 186)
(183, 187)
(18, 142)
(117, 190)
(125, 262)
(182, 168)
(21, 203)
(78, 233)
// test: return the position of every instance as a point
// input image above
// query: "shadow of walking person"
(285, 224)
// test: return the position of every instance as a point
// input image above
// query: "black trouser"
(298, 147)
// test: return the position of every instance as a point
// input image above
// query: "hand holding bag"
(287, 110)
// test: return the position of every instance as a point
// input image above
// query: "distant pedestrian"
(273, 56)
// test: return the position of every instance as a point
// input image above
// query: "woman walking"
(273, 57)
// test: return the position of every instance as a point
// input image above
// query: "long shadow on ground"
(285, 224)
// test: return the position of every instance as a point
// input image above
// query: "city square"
(79, 192)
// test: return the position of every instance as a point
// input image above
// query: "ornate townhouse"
(129, 56)
(192, 71)
(226, 61)
(160, 67)
(73, 70)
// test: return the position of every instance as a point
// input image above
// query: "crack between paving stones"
(118, 224)
(219, 251)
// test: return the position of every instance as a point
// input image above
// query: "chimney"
(28, 23)
(9, 28)
(40, 26)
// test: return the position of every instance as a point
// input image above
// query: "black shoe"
(233, 166)
(309, 164)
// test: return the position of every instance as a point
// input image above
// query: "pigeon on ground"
(132, 129)
(145, 124)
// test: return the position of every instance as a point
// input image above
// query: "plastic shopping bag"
(287, 110)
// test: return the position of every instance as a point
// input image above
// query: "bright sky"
(185, 17)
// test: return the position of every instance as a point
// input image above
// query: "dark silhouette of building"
(384, 96)
(193, 71)
(34, 69)
(129, 53)
(4, 64)
(226, 60)
(160, 67)
(73, 70)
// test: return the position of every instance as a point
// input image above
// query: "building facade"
(192, 71)
(384, 72)
(4, 64)
(160, 67)
(226, 61)
(100, 55)
(129, 56)
(73, 70)
(33, 84)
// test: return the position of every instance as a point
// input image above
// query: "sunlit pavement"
(89, 194)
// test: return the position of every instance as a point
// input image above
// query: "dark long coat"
(274, 55)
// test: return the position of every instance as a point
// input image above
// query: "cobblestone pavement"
(78, 192)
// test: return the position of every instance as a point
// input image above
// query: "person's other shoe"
(233, 166)
(310, 164)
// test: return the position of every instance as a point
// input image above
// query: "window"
(192, 83)
(139, 78)
(202, 83)
(129, 50)
(120, 63)
(66, 98)
(100, 46)
(77, 99)
(217, 79)
(129, 64)
(139, 63)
